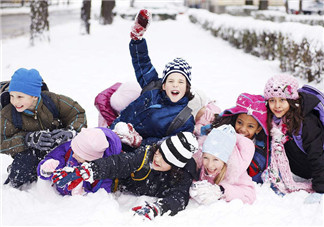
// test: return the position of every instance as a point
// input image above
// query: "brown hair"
(293, 118)
(188, 90)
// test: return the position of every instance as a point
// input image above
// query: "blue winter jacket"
(152, 112)
(63, 154)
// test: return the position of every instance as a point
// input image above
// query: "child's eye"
(251, 126)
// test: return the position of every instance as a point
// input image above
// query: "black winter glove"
(39, 140)
(60, 136)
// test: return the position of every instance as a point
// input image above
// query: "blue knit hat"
(220, 142)
(26, 81)
(178, 65)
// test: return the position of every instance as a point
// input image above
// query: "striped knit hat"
(178, 65)
(178, 149)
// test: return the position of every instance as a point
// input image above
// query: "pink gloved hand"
(48, 167)
(142, 21)
(127, 134)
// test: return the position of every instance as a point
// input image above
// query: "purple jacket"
(64, 152)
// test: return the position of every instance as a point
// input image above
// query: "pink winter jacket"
(207, 118)
(237, 183)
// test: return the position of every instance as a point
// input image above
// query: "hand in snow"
(73, 176)
(127, 134)
(148, 211)
(142, 21)
(204, 192)
(48, 167)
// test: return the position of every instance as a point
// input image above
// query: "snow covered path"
(82, 66)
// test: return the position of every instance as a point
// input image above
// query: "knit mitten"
(142, 21)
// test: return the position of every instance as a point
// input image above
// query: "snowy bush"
(277, 16)
(294, 45)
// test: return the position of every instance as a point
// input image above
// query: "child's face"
(22, 101)
(278, 106)
(158, 162)
(247, 126)
(78, 158)
(175, 86)
(212, 164)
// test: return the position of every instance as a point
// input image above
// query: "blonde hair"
(221, 175)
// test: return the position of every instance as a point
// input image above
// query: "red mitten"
(148, 211)
(142, 21)
(128, 134)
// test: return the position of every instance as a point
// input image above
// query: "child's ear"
(258, 130)
(163, 86)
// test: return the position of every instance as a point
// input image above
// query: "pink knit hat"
(281, 86)
(253, 105)
(125, 94)
(90, 144)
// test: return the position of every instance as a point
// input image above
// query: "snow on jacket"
(63, 154)
(152, 112)
(102, 103)
(311, 137)
(13, 139)
(172, 189)
(237, 183)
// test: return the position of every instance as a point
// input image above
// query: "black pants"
(24, 168)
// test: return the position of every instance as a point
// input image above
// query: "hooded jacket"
(63, 154)
(310, 162)
(237, 183)
(71, 114)
(152, 112)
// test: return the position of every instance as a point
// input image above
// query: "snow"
(81, 66)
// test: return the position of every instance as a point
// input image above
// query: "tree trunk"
(39, 21)
(287, 6)
(132, 3)
(106, 15)
(263, 5)
(85, 16)
(300, 6)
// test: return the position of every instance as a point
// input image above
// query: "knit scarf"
(279, 173)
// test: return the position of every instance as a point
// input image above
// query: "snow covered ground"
(81, 66)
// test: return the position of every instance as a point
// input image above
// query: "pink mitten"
(142, 21)
(48, 167)
(127, 134)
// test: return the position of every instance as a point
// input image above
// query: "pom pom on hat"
(26, 81)
(282, 86)
(90, 144)
(125, 94)
(178, 65)
(177, 150)
(220, 142)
